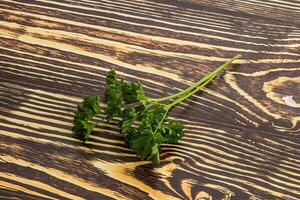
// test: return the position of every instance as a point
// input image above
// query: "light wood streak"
(241, 139)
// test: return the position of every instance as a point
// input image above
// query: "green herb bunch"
(144, 123)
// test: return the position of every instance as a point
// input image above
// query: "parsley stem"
(201, 81)
(182, 98)
(162, 120)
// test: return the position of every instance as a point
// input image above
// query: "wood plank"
(242, 140)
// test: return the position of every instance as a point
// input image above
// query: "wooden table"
(242, 139)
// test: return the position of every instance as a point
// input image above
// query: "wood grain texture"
(242, 140)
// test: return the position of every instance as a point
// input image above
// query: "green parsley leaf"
(86, 110)
(133, 92)
(147, 147)
(173, 131)
(118, 91)
(113, 95)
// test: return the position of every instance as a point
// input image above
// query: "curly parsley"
(144, 121)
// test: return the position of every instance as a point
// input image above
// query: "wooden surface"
(242, 139)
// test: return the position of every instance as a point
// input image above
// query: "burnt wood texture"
(241, 141)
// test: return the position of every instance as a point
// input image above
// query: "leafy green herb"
(86, 110)
(113, 95)
(144, 121)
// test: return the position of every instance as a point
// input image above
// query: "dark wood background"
(242, 140)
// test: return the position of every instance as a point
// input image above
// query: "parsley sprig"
(144, 122)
